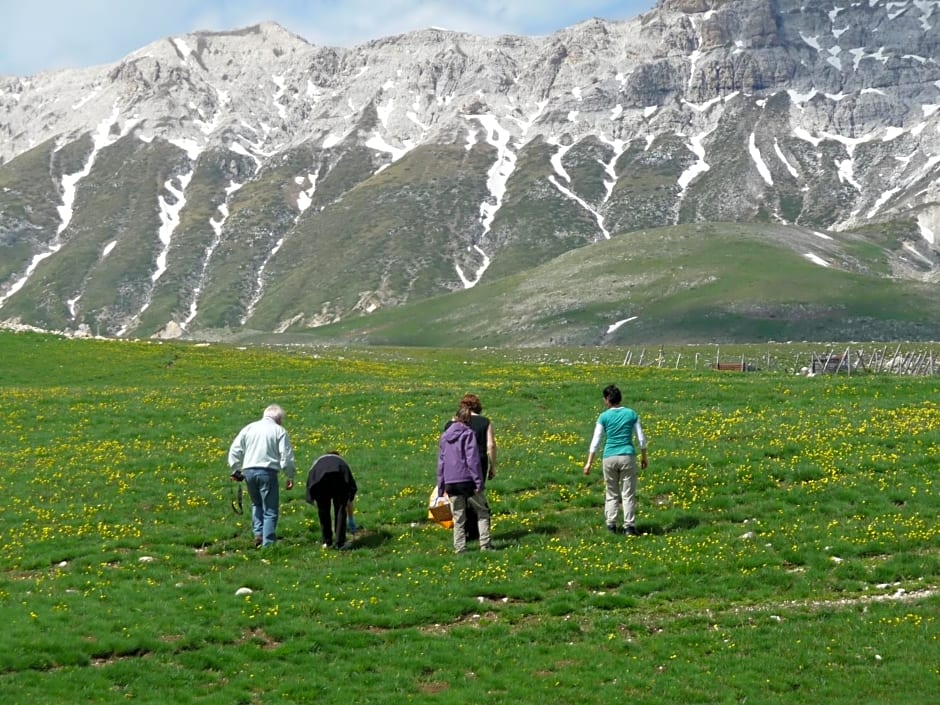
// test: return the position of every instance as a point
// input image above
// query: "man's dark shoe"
(631, 531)
(613, 529)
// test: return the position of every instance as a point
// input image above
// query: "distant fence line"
(848, 361)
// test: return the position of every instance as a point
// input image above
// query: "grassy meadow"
(789, 548)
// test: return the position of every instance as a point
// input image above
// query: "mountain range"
(712, 169)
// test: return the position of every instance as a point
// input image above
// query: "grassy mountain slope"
(403, 248)
(707, 282)
(193, 237)
(107, 209)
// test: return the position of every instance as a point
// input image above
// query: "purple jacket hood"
(458, 457)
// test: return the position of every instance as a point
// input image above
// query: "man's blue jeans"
(262, 487)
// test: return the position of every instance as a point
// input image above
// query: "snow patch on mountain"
(816, 259)
(217, 226)
(783, 159)
(619, 146)
(926, 225)
(470, 282)
(502, 168)
(378, 143)
(260, 282)
(305, 196)
(697, 147)
(614, 326)
(557, 157)
(568, 193)
(759, 161)
(169, 219)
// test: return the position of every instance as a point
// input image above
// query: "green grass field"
(790, 547)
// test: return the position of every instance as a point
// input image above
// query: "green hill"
(691, 283)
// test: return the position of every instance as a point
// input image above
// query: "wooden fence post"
(895, 358)
(861, 359)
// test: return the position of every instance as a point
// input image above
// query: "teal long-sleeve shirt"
(618, 424)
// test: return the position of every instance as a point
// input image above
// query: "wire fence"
(915, 359)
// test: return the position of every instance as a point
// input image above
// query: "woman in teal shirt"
(619, 424)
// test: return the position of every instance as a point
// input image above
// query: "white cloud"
(44, 35)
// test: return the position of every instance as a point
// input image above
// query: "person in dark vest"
(331, 486)
(486, 445)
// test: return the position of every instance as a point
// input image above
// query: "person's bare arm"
(491, 450)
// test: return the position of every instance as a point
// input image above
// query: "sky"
(45, 35)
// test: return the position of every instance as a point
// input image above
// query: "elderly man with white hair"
(261, 450)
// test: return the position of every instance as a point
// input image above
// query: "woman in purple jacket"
(460, 475)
